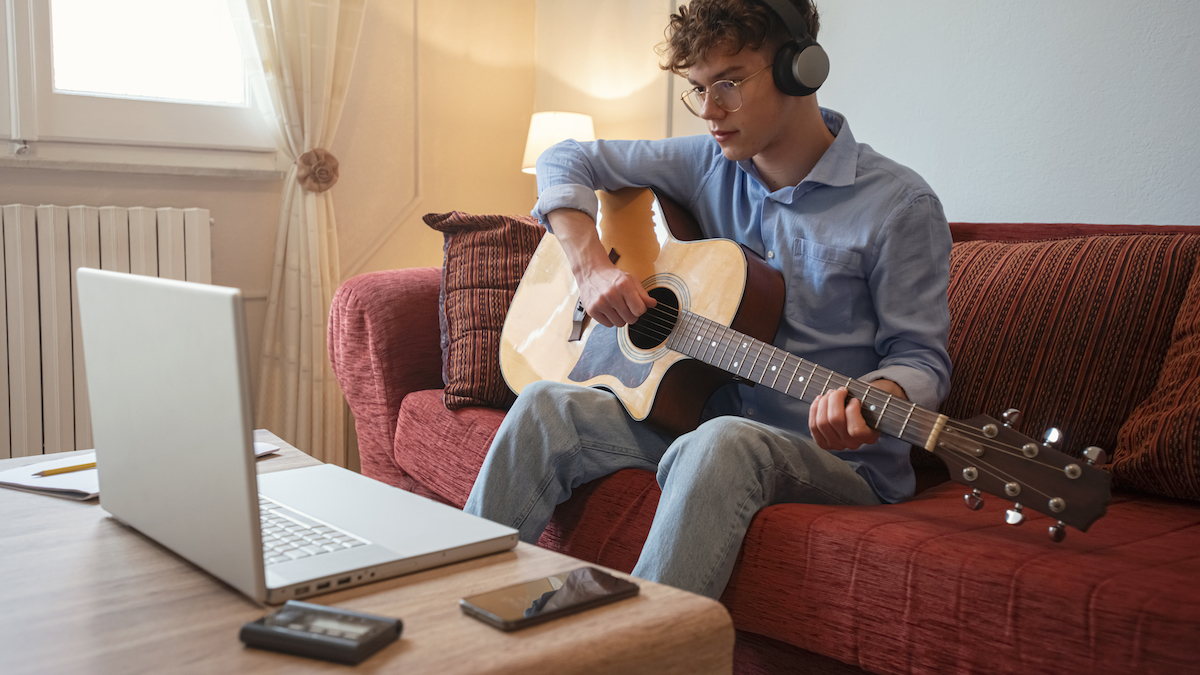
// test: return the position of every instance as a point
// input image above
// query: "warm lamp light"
(548, 128)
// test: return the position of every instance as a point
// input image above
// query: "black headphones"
(801, 65)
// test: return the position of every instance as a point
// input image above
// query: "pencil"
(66, 469)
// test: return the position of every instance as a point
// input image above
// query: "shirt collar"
(837, 167)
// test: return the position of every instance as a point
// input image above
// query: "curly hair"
(704, 26)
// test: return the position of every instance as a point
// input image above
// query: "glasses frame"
(703, 96)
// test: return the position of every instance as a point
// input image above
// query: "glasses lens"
(725, 94)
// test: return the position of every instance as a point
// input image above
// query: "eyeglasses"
(725, 94)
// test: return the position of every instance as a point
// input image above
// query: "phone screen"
(536, 601)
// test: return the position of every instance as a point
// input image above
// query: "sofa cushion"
(485, 257)
(443, 449)
(928, 586)
(1072, 332)
(1159, 446)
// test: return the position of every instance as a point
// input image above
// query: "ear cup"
(800, 68)
(781, 70)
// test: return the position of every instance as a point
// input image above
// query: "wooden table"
(82, 593)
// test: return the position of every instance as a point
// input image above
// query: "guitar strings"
(919, 420)
(665, 322)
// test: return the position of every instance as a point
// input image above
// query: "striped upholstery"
(1070, 331)
(485, 257)
(1158, 450)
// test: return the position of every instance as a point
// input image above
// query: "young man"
(864, 249)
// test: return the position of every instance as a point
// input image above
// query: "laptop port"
(343, 580)
(302, 589)
(323, 585)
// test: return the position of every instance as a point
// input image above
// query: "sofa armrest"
(384, 342)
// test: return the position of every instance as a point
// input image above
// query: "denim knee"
(718, 450)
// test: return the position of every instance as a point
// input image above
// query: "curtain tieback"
(317, 170)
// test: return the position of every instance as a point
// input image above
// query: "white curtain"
(307, 50)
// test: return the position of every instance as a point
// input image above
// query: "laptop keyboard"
(289, 535)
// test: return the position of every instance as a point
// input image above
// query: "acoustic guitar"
(718, 309)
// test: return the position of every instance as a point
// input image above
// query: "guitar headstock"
(988, 456)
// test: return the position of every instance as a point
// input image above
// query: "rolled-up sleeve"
(908, 284)
(570, 172)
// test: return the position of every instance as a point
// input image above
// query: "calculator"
(321, 632)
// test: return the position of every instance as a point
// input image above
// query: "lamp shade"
(548, 128)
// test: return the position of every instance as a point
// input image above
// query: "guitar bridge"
(578, 321)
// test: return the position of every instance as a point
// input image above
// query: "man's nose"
(709, 109)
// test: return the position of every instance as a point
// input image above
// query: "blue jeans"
(714, 479)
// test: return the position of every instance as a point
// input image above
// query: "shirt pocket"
(825, 284)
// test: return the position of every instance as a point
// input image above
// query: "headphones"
(801, 65)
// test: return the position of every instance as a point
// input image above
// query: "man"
(864, 248)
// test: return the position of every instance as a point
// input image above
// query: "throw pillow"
(1071, 331)
(484, 259)
(1158, 449)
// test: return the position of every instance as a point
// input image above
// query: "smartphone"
(533, 602)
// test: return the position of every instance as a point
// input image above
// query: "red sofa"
(1070, 323)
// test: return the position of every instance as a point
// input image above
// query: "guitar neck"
(756, 361)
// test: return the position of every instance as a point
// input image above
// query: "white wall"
(1028, 110)
(598, 58)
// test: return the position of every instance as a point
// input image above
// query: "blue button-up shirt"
(862, 244)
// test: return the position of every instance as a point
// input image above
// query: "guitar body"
(656, 241)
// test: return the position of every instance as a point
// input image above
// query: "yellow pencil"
(66, 469)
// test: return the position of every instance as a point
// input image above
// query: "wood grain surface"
(82, 593)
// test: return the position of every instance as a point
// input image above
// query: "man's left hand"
(838, 425)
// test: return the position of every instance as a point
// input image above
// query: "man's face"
(758, 123)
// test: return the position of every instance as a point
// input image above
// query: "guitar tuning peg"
(1014, 516)
(974, 500)
(1012, 418)
(1095, 455)
(1053, 438)
(1058, 532)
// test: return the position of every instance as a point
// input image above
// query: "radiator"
(44, 407)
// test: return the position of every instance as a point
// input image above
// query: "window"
(135, 85)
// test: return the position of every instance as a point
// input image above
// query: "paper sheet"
(78, 485)
(74, 485)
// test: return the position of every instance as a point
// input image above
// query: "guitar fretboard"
(756, 361)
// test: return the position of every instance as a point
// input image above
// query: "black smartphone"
(533, 602)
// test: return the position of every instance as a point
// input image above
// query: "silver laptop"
(172, 423)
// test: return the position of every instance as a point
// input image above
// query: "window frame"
(47, 129)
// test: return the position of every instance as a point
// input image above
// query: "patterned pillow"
(1158, 449)
(485, 257)
(1072, 332)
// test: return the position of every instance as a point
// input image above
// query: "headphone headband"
(791, 18)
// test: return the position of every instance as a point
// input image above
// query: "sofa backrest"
(1068, 323)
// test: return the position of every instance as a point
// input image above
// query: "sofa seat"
(1032, 609)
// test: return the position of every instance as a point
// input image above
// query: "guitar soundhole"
(652, 328)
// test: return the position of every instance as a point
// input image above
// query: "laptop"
(172, 423)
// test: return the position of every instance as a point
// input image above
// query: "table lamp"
(548, 128)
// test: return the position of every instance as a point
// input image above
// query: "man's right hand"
(609, 295)
(612, 297)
